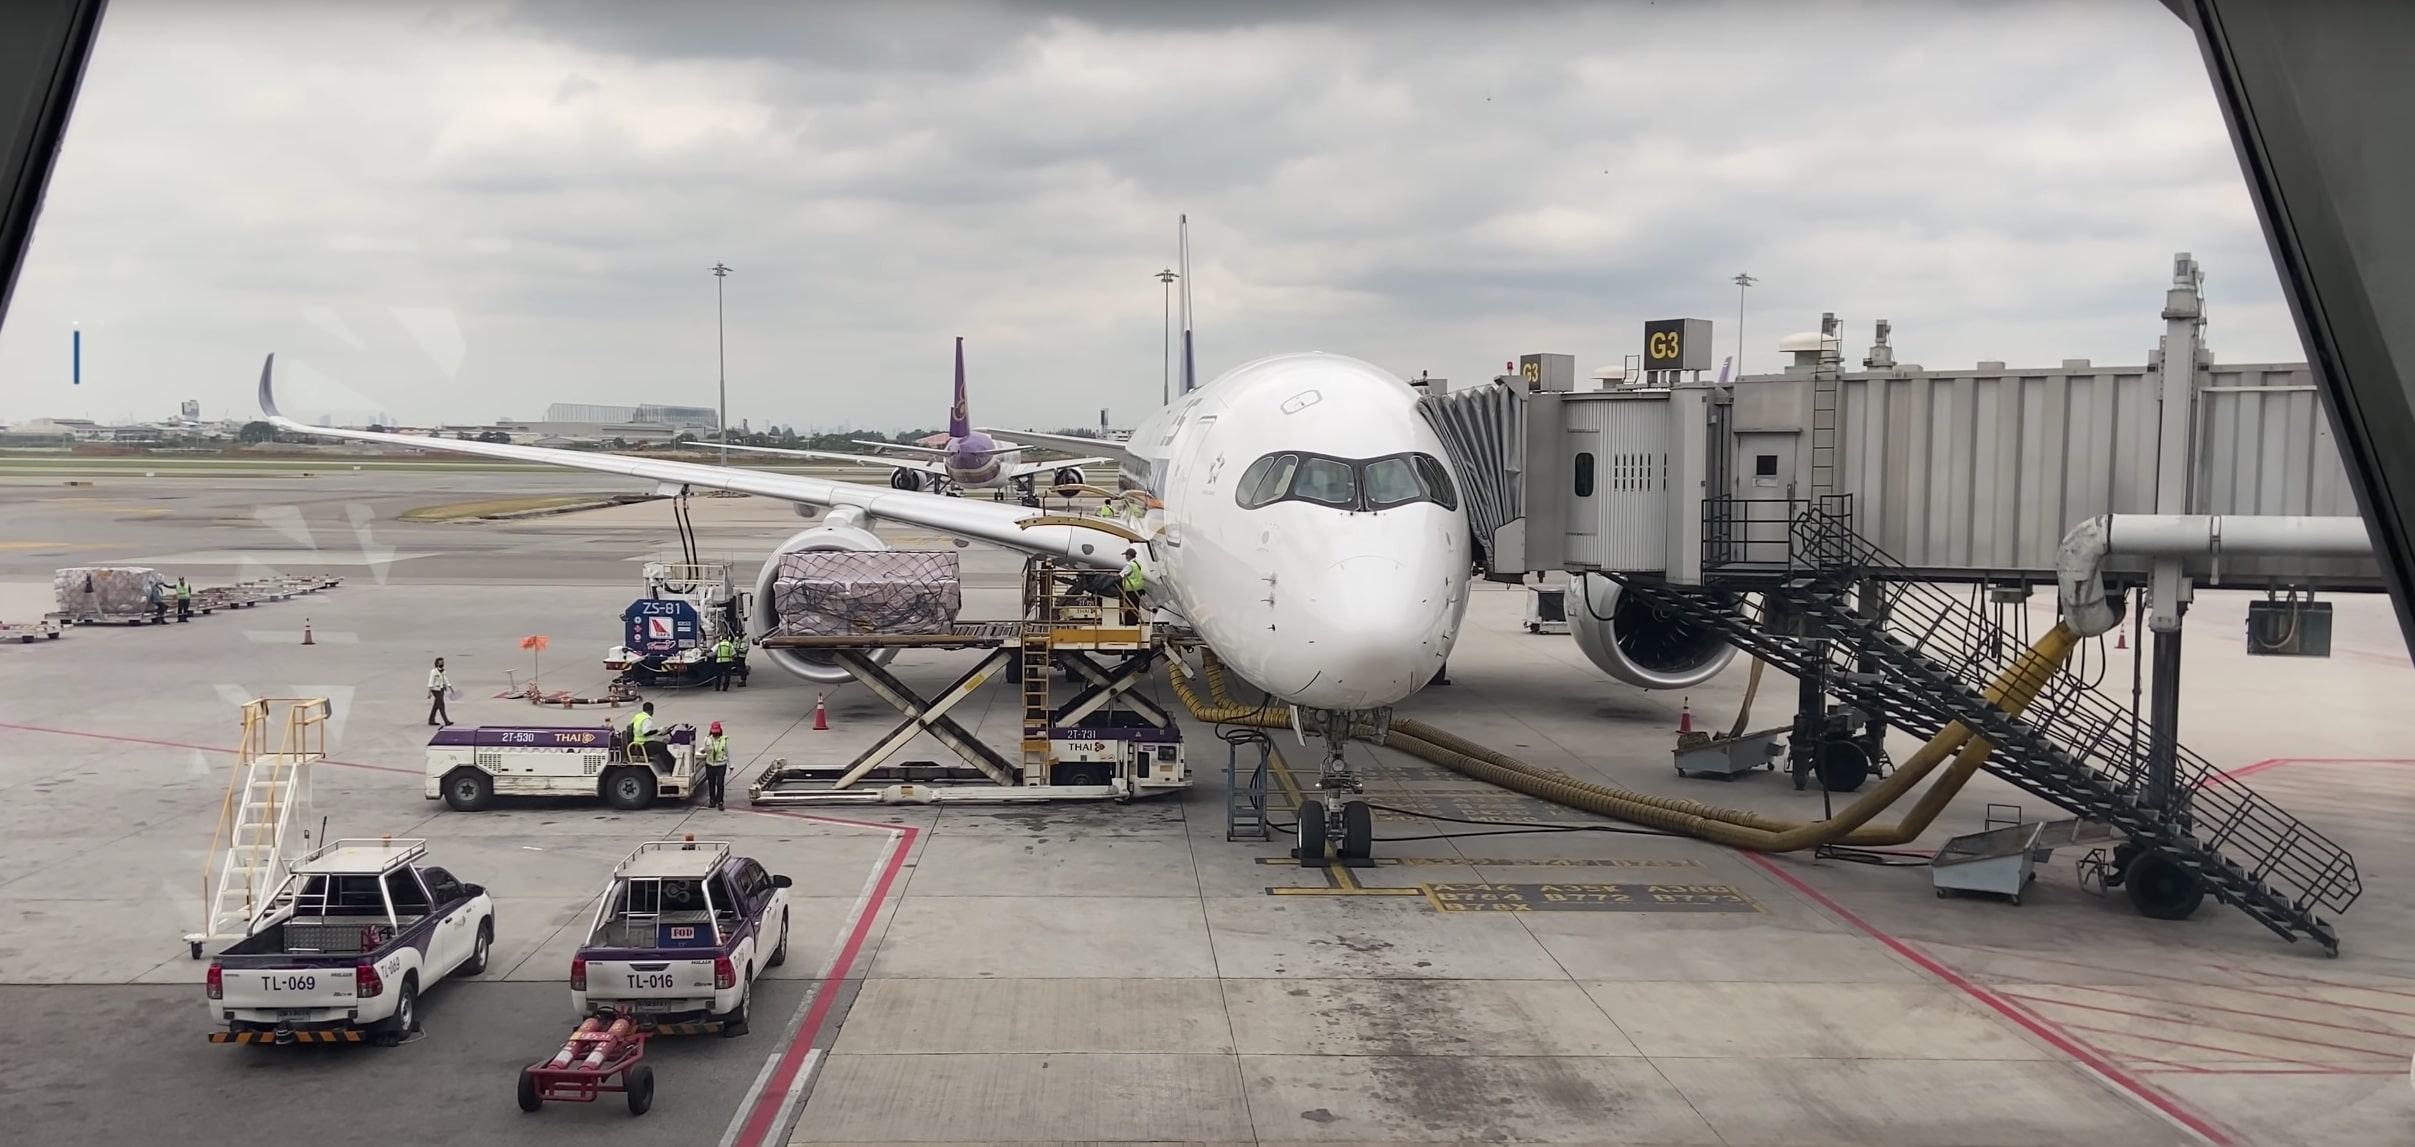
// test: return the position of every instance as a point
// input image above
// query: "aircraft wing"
(915, 464)
(997, 523)
(1033, 469)
(1071, 442)
(908, 447)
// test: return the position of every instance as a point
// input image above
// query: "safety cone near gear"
(306, 638)
(1685, 717)
(821, 716)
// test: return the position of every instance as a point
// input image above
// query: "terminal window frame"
(1284, 476)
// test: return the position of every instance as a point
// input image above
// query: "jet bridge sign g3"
(660, 626)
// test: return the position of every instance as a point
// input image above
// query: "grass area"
(460, 510)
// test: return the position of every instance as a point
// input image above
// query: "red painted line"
(182, 745)
(2205, 1007)
(2145, 1093)
(758, 1127)
(2217, 1049)
(2223, 775)
(2110, 1011)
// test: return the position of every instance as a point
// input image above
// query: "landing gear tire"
(2162, 888)
(1358, 831)
(629, 788)
(468, 790)
(1312, 834)
(1843, 766)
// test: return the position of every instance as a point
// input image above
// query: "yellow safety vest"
(1132, 576)
(717, 750)
(639, 727)
(723, 652)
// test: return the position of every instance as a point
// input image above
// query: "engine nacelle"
(907, 480)
(840, 534)
(1638, 644)
(1069, 476)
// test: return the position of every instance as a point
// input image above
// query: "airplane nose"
(1375, 627)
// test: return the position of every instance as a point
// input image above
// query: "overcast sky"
(465, 212)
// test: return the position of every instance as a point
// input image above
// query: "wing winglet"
(268, 396)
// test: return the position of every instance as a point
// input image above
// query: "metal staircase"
(261, 822)
(1838, 598)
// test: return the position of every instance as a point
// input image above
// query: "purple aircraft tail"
(960, 422)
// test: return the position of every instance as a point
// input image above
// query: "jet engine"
(904, 479)
(1069, 476)
(841, 533)
(1636, 643)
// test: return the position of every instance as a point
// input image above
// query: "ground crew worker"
(1134, 578)
(725, 656)
(184, 604)
(642, 740)
(716, 763)
(158, 593)
(1106, 509)
(437, 685)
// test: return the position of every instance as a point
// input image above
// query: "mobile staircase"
(262, 823)
(1835, 608)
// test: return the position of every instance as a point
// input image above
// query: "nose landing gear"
(1336, 826)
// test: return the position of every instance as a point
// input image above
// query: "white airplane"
(966, 459)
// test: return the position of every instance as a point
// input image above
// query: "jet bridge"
(1809, 517)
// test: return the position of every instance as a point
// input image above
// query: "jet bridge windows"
(1346, 484)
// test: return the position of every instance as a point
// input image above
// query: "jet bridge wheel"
(1312, 834)
(2163, 888)
(1843, 765)
(1358, 831)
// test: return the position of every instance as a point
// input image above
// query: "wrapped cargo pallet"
(836, 593)
(105, 591)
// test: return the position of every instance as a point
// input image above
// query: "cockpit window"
(1392, 482)
(1328, 480)
(1266, 480)
(1437, 480)
(1346, 484)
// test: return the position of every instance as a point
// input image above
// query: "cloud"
(1430, 186)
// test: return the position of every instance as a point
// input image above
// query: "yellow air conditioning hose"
(2012, 692)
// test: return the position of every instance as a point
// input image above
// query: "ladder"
(1035, 665)
(260, 826)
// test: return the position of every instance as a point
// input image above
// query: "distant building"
(676, 417)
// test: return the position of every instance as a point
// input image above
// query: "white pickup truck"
(680, 936)
(345, 946)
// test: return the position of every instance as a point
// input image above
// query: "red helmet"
(716, 727)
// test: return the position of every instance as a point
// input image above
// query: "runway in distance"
(964, 459)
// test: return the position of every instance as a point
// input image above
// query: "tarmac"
(1511, 972)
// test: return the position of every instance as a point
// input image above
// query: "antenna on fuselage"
(1190, 373)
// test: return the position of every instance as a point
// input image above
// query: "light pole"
(722, 352)
(1165, 357)
(1742, 281)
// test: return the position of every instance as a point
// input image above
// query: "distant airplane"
(962, 459)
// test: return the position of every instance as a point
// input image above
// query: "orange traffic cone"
(1685, 717)
(306, 638)
(2121, 639)
(821, 716)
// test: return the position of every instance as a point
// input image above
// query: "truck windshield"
(1346, 483)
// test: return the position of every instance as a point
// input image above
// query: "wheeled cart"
(595, 1055)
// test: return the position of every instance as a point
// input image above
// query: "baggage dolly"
(583, 1069)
